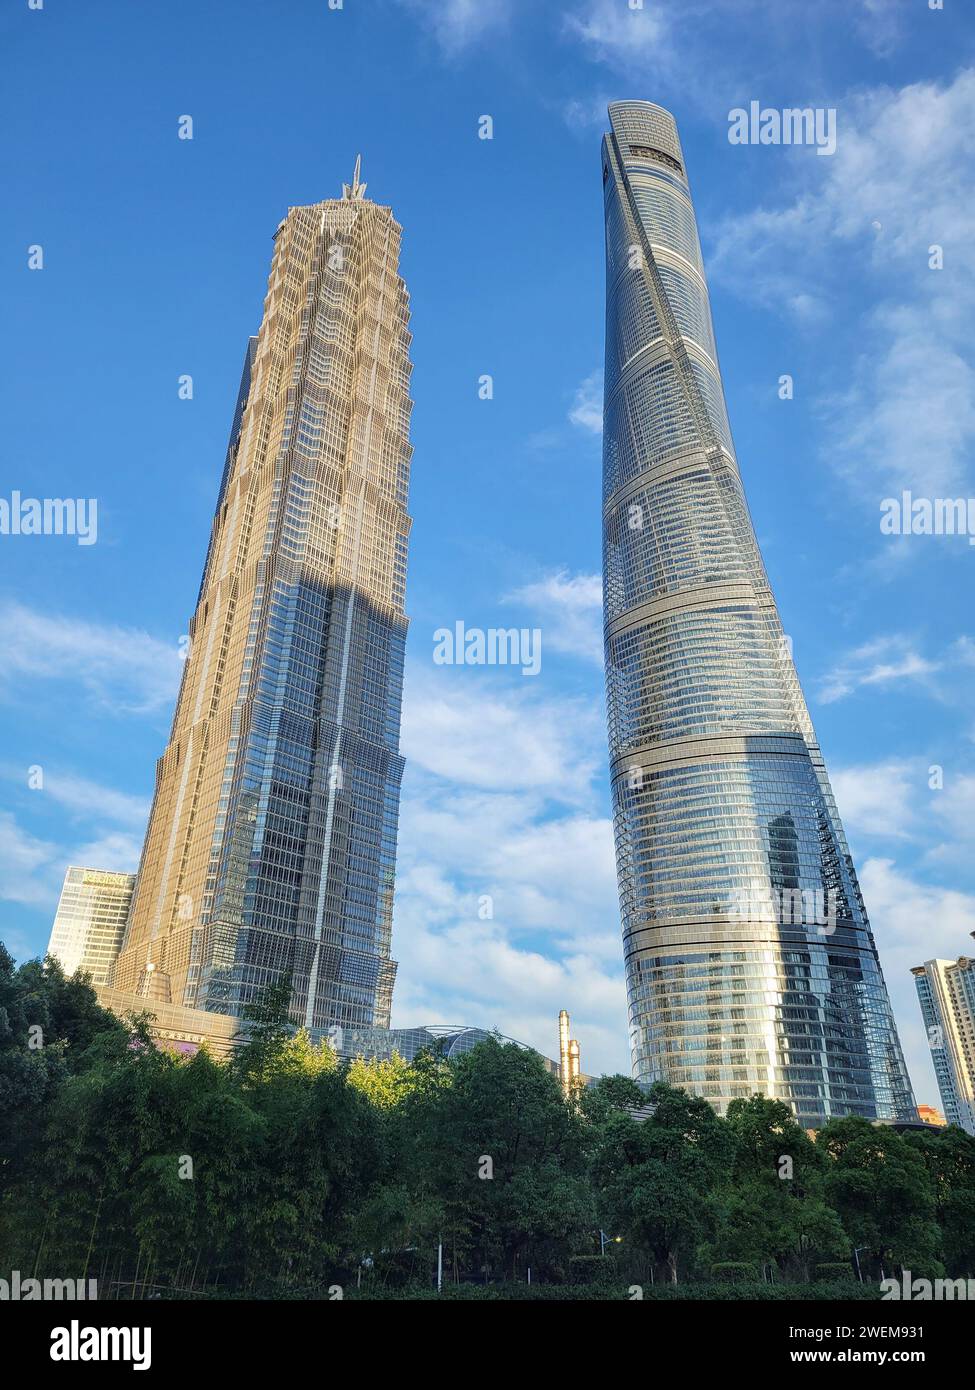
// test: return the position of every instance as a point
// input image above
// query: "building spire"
(355, 190)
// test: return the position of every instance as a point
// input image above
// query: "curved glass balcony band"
(750, 961)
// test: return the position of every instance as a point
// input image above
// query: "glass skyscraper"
(946, 993)
(272, 840)
(90, 920)
(749, 956)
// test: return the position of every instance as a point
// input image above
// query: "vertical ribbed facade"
(749, 957)
(90, 921)
(946, 993)
(272, 840)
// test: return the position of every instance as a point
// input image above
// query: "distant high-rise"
(570, 1058)
(90, 920)
(272, 840)
(946, 992)
(750, 961)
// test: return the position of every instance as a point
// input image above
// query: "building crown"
(355, 191)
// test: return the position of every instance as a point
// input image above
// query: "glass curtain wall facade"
(272, 839)
(750, 961)
(90, 920)
(946, 993)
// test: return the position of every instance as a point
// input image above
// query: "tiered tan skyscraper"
(272, 840)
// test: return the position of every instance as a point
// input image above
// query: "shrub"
(592, 1269)
(735, 1272)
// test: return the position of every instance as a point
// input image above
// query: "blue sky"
(156, 252)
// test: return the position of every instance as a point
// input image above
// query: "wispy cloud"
(115, 850)
(914, 922)
(880, 25)
(485, 736)
(889, 660)
(123, 670)
(95, 802)
(459, 24)
(506, 901)
(616, 34)
(586, 410)
(884, 662)
(103, 829)
(569, 608)
(898, 185)
(953, 819)
(24, 858)
(586, 113)
(879, 798)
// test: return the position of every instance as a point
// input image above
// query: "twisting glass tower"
(272, 840)
(749, 957)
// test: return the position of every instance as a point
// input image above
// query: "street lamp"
(856, 1256)
(605, 1240)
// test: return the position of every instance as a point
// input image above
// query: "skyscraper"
(749, 957)
(272, 840)
(946, 992)
(90, 920)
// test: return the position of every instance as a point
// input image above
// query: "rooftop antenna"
(355, 190)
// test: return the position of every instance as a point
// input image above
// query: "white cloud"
(898, 184)
(884, 662)
(878, 799)
(123, 670)
(890, 660)
(570, 610)
(506, 903)
(458, 24)
(914, 922)
(25, 863)
(104, 830)
(474, 974)
(586, 113)
(587, 404)
(115, 851)
(615, 34)
(684, 52)
(879, 25)
(95, 802)
(466, 726)
(952, 810)
(908, 417)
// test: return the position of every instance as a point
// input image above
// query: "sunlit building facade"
(750, 961)
(90, 921)
(272, 839)
(946, 993)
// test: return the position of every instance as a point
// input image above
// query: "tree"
(949, 1157)
(48, 1025)
(503, 1157)
(655, 1178)
(772, 1207)
(267, 1031)
(879, 1185)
